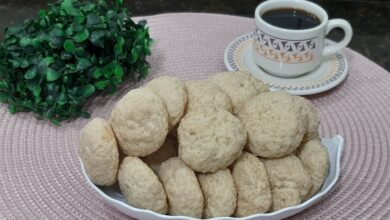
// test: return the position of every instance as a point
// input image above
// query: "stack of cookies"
(225, 146)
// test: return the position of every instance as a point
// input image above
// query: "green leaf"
(57, 32)
(134, 55)
(84, 64)
(62, 98)
(79, 19)
(119, 3)
(81, 36)
(88, 7)
(93, 19)
(12, 109)
(3, 97)
(3, 85)
(24, 64)
(52, 75)
(69, 31)
(67, 6)
(77, 27)
(118, 70)
(31, 73)
(24, 42)
(88, 90)
(55, 42)
(42, 13)
(118, 47)
(139, 35)
(97, 73)
(97, 38)
(142, 22)
(47, 61)
(52, 87)
(36, 89)
(100, 85)
(118, 51)
(69, 46)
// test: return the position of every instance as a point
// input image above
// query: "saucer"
(332, 71)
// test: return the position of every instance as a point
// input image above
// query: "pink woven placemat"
(40, 176)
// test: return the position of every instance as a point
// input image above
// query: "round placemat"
(40, 176)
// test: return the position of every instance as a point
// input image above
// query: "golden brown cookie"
(182, 188)
(252, 184)
(141, 186)
(315, 159)
(239, 86)
(210, 140)
(290, 181)
(140, 122)
(99, 152)
(172, 92)
(219, 192)
(204, 94)
(275, 126)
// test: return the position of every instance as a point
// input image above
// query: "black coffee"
(290, 18)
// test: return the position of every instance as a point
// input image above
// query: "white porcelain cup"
(290, 53)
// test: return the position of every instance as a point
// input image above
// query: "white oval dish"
(114, 197)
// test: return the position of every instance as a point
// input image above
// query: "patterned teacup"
(293, 52)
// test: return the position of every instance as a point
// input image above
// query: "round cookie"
(312, 118)
(253, 188)
(289, 180)
(220, 193)
(275, 126)
(284, 197)
(239, 88)
(141, 186)
(259, 85)
(182, 188)
(168, 150)
(315, 159)
(203, 94)
(99, 152)
(210, 140)
(140, 122)
(172, 91)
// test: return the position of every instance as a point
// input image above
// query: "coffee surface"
(291, 18)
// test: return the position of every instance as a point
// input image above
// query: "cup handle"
(338, 23)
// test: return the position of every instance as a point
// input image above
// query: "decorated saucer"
(332, 71)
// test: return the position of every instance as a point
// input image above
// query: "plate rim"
(310, 91)
(277, 215)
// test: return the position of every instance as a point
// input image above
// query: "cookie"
(259, 85)
(288, 178)
(140, 122)
(182, 188)
(140, 186)
(99, 152)
(219, 192)
(315, 159)
(238, 85)
(210, 140)
(203, 94)
(312, 118)
(172, 91)
(168, 150)
(275, 126)
(285, 197)
(253, 188)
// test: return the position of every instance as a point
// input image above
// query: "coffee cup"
(289, 40)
